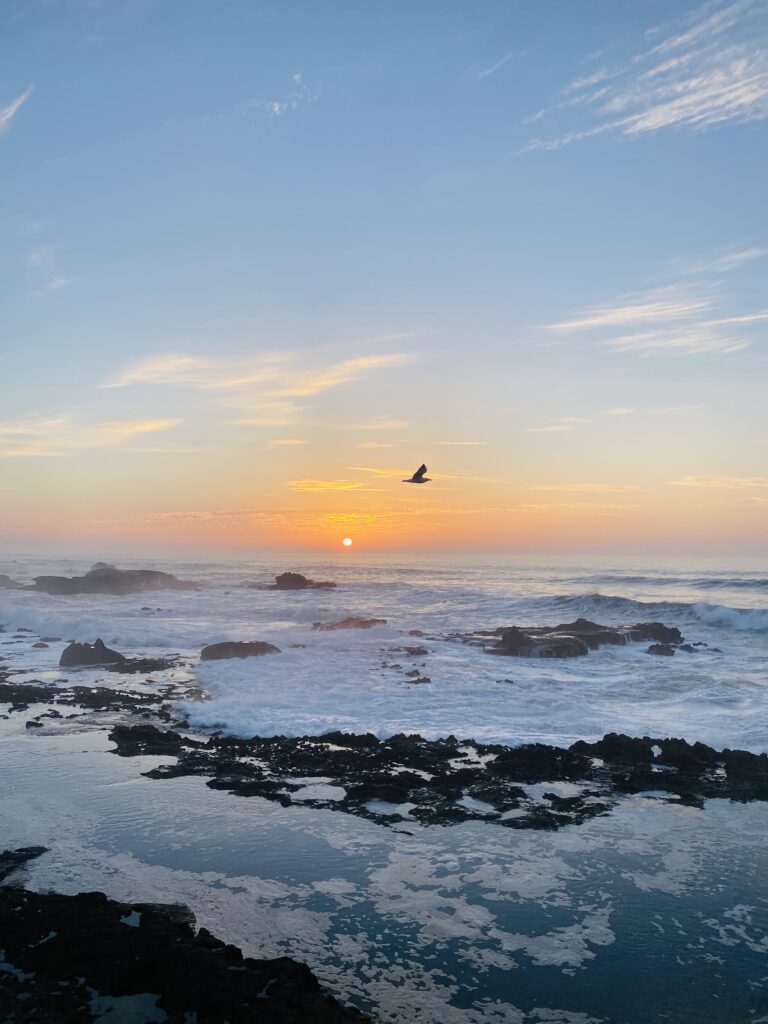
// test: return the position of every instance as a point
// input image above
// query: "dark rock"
(40, 644)
(292, 581)
(83, 655)
(51, 639)
(6, 583)
(12, 860)
(64, 949)
(353, 622)
(516, 643)
(237, 649)
(132, 666)
(106, 579)
(138, 740)
(662, 650)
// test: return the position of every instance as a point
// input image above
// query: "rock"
(516, 643)
(63, 951)
(50, 639)
(567, 639)
(292, 581)
(353, 622)
(40, 643)
(131, 666)
(12, 860)
(106, 579)
(237, 649)
(662, 650)
(83, 655)
(6, 583)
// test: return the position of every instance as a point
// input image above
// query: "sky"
(260, 260)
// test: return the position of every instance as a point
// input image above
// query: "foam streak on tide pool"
(356, 680)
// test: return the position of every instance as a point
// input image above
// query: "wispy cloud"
(464, 444)
(382, 423)
(327, 486)
(574, 506)
(264, 387)
(709, 69)
(725, 482)
(497, 66)
(8, 113)
(56, 284)
(677, 319)
(60, 435)
(290, 100)
(286, 442)
(659, 305)
(585, 488)
(620, 410)
(378, 444)
(552, 428)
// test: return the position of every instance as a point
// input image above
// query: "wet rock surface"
(107, 579)
(86, 655)
(293, 581)
(73, 958)
(568, 639)
(440, 782)
(237, 649)
(353, 622)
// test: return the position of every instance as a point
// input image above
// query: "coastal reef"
(439, 782)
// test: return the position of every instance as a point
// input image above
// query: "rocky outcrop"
(293, 581)
(106, 579)
(62, 954)
(518, 643)
(88, 655)
(6, 583)
(661, 650)
(568, 639)
(353, 622)
(237, 649)
(429, 781)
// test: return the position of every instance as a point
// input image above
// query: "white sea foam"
(356, 680)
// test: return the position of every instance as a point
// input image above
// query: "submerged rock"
(237, 649)
(662, 650)
(84, 655)
(62, 953)
(106, 579)
(352, 622)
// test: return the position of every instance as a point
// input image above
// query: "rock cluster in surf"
(106, 579)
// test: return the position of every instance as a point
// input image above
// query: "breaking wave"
(623, 608)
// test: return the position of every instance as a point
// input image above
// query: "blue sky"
(539, 227)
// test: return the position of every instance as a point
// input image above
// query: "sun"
(347, 542)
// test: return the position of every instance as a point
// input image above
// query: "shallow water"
(656, 913)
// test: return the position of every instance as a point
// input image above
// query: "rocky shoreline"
(77, 958)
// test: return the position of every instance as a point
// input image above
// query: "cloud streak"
(8, 113)
(706, 73)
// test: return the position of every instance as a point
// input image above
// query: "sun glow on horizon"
(347, 542)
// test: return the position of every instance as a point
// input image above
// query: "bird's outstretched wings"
(420, 472)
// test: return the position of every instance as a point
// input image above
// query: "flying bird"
(418, 477)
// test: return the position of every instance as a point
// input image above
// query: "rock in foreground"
(237, 649)
(68, 958)
(85, 655)
(106, 579)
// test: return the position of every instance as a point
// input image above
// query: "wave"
(698, 582)
(716, 615)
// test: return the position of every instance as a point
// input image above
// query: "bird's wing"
(420, 471)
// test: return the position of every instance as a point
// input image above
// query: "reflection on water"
(658, 912)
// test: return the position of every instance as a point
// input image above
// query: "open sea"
(657, 912)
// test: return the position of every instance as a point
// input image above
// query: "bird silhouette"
(418, 477)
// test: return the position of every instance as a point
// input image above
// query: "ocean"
(654, 912)
(344, 679)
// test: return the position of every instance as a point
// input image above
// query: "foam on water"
(355, 680)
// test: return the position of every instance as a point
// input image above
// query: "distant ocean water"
(355, 680)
